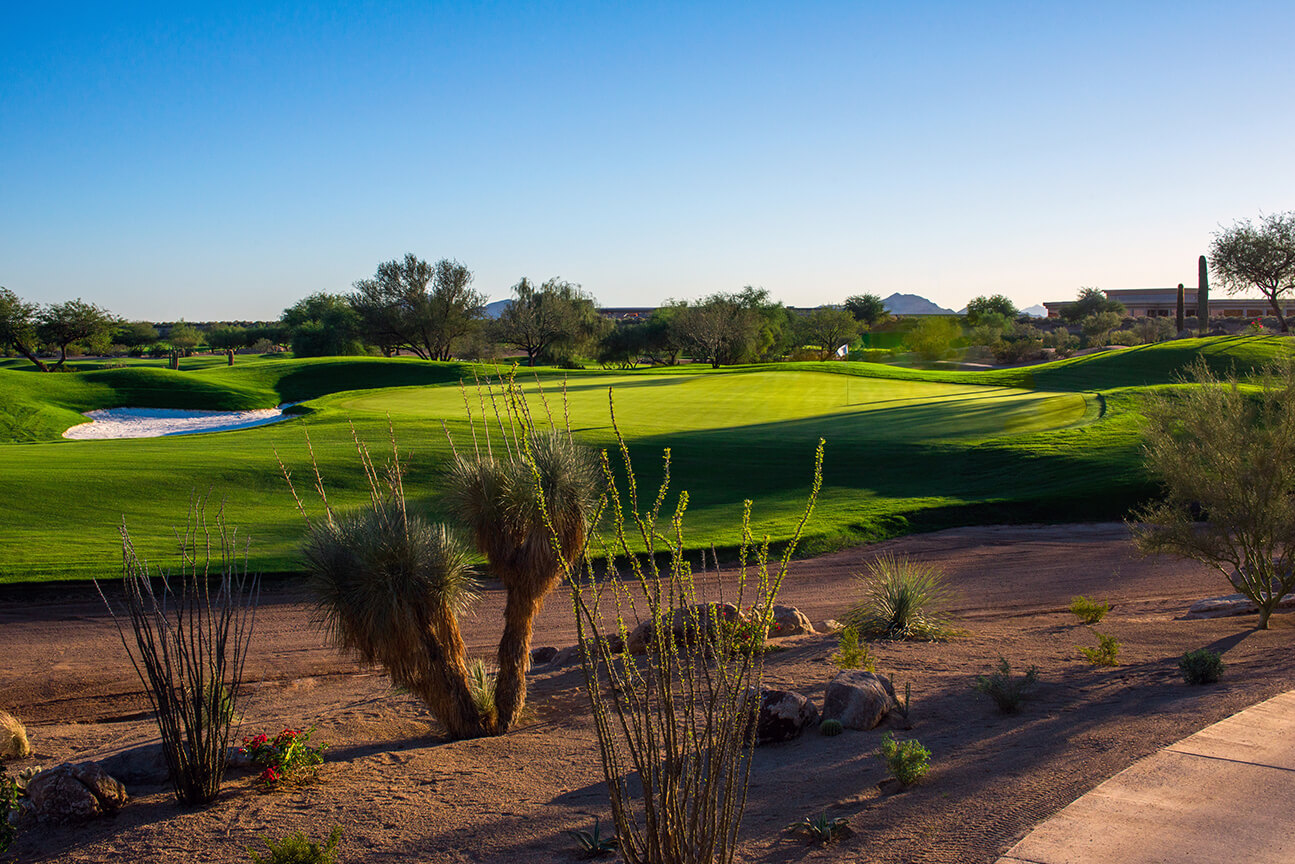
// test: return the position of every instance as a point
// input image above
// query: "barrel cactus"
(830, 728)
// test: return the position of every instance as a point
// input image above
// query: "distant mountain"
(1038, 310)
(495, 309)
(911, 304)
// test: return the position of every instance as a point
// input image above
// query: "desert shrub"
(13, 738)
(8, 804)
(905, 704)
(1062, 341)
(288, 758)
(870, 355)
(298, 849)
(851, 653)
(902, 599)
(1106, 653)
(593, 842)
(820, 829)
(190, 643)
(677, 720)
(1007, 690)
(481, 684)
(830, 728)
(1088, 611)
(1201, 666)
(908, 761)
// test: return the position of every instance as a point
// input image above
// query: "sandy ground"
(157, 422)
(402, 794)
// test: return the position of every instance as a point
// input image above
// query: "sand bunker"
(156, 422)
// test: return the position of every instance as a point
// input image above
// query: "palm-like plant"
(390, 586)
(545, 487)
(902, 599)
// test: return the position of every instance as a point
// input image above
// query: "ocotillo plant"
(1182, 309)
(1203, 295)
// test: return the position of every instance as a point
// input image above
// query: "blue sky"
(223, 161)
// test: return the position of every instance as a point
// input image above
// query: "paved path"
(1222, 795)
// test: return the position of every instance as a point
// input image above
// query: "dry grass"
(13, 738)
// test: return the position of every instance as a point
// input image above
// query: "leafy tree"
(225, 338)
(662, 342)
(554, 321)
(719, 329)
(997, 304)
(18, 327)
(775, 332)
(828, 329)
(1258, 256)
(323, 325)
(867, 309)
(624, 344)
(183, 336)
(1090, 301)
(1097, 328)
(421, 307)
(1226, 456)
(75, 322)
(133, 334)
(933, 338)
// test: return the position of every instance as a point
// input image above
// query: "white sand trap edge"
(157, 422)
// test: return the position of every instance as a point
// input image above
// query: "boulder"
(1230, 604)
(684, 623)
(859, 699)
(784, 715)
(73, 792)
(789, 621)
(143, 765)
(541, 656)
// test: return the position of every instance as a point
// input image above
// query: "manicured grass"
(906, 449)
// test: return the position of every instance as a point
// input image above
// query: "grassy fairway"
(905, 449)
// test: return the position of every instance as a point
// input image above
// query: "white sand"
(156, 422)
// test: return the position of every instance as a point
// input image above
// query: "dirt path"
(402, 795)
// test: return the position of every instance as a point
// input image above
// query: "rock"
(831, 625)
(571, 654)
(1231, 604)
(789, 621)
(73, 792)
(143, 765)
(684, 623)
(541, 656)
(784, 715)
(860, 700)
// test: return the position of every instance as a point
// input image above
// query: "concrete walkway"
(1225, 794)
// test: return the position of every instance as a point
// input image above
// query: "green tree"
(1225, 453)
(323, 325)
(554, 321)
(183, 336)
(225, 338)
(826, 328)
(420, 307)
(1262, 257)
(1090, 301)
(868, 309)
(933, 338)
(1097, 328)
(997, 304)
(75, 322)
(134, 334)
(720, 329)
(18, 327)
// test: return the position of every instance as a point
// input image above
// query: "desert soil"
(403, 794)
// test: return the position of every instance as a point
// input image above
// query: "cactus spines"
(1203, 295)
(1182, 309)
(830, 728)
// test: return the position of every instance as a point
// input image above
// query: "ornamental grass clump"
(190, 630)
(673, 725)
(902, 599)
(13, 738)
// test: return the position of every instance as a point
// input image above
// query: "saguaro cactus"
(1203, 295)
(1182, 310)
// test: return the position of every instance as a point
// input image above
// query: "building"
(1163, 303)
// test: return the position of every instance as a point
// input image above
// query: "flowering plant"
(288, 757)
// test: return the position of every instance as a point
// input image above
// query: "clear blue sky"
(223, 161)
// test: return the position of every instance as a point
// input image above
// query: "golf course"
(907, 450)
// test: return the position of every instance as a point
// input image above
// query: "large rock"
(789, 621)
(144, 765)
(541, 656)
(73, 792)
(784, 715)
(860, 700)
(684, 623)
(1231, 604)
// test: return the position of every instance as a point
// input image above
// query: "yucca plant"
(901, 599)
(537, 487)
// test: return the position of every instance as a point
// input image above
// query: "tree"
(134, 334)
(1090, 301)
(662, 342)
(1226, 457)
(981, 306)
(18, 327)
(183, 336)
(1258, 256)
(323, 325)
(227, 338)
(553, 321)
(624, 344)
(421, 307)
(75, 323)
(829, 329)
(933, 338)
(867, 309)
(1097, 328)
(773, 335)
(719, 329)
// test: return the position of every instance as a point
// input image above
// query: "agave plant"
(545, 486)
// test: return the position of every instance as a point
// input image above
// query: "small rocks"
(789, 621)
(860, 700)
(72, 792)
(784, 715)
